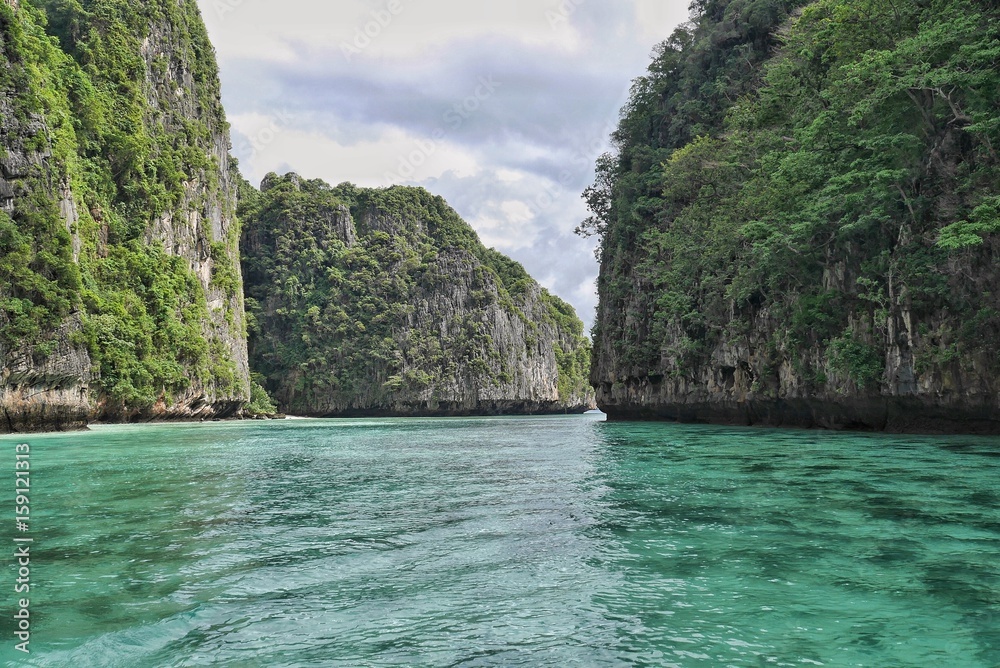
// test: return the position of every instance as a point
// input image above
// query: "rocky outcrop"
(183, 86)
(405, 312)
(800, 227)
(508, 366)
(120, 291)
(44, 386)
(748, 381)
(897, 369)
(48, 394)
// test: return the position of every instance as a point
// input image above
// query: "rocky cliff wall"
(121, 296)
(47, 390)
(918, 383)
(182, 88)
(800, 227)
(405, 312)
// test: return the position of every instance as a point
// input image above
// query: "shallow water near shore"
(556, 541)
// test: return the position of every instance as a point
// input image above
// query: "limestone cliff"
(800, 226)
(384, 302)
(120, 288)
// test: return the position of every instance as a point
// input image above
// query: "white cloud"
(393, 156)
(517, 211)
(378, 29)
(514, 167)
(656, 19)
(510, 175)
(507, 226)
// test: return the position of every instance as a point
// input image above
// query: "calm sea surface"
(505, 542)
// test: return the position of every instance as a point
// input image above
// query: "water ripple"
(513, 542)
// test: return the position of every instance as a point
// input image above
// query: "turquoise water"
(508, 542)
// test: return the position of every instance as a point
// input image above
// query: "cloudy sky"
(501, 107)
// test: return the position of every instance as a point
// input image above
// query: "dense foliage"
(359, 296)
(120, 140)
(816, 184)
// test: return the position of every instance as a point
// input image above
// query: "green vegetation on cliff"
(121, 294)
(110, 133)
(803, 200)
(385, 300)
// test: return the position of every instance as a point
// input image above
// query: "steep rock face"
(827, 256)
(748, 380)
(120, 295)
(47, 394)
(46, 388)
(182, 90)
(385, 303)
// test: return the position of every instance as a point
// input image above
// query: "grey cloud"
(538, 99)
(549, 117)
